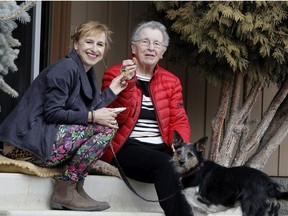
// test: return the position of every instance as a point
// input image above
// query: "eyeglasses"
(146, 43)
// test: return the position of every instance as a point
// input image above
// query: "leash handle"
(128, 184)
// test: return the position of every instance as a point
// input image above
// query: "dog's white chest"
(193, 198)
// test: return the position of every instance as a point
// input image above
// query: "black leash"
(128, 184)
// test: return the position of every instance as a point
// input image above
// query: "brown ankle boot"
(65, 196)
(81, 191)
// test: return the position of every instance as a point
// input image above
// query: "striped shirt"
(146, 129)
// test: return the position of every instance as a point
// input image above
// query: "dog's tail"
(282, 196)
(275, 192)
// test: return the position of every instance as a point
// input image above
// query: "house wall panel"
(196, 105)
(283, 162)
(273, 163)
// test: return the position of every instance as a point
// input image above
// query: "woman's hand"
(118, 84)
(106, 117)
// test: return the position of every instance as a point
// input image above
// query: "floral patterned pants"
(78, 147)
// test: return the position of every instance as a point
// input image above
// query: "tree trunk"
(253, 141)
(279, 117)
(218, 121)
(236, 126)
(261, 158)
(274, 134)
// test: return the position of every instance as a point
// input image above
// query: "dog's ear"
(200, 144)
(177, 139)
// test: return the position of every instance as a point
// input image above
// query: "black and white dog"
(210, 187)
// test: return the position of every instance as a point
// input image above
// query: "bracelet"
(93, 116)
(92, 119)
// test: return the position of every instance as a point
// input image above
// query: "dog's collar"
(193, 171)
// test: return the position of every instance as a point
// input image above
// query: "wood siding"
(201, 99)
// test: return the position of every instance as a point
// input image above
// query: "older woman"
(62, 120)
(153, 98)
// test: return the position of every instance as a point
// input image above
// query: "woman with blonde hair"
(62, 119)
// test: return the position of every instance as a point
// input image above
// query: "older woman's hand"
(129, 68)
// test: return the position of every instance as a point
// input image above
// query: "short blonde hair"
(92, 28)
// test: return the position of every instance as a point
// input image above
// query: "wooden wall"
(120, 16)
(200, 98)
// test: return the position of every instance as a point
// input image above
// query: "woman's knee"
(105, 130)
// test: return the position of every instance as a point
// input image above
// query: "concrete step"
(27, 195)
(75, 213)
(20, 192)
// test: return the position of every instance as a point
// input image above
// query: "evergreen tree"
(9, 13)
(241, 45)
